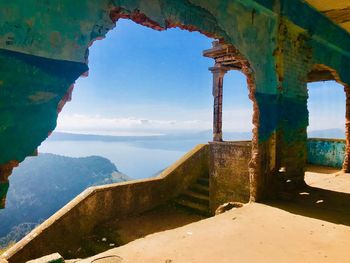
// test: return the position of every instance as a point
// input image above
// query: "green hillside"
(42, 185)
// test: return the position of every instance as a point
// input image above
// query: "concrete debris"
(227, 206)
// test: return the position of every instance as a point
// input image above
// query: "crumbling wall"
(305, 39)
(44, 49)
(292, 99)
(49, 41)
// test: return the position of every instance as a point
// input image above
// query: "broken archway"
(51, 58)
(331, 151)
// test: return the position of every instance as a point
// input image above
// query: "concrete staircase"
(196, 198)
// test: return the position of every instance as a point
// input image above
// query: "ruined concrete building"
(280, 46)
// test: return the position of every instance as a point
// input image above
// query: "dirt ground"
(313, 228)
(124, 230)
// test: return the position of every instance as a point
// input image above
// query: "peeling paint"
(326, 152)
(44, 49)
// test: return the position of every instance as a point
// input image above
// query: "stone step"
(196, 197)
(203, 181)
(199, 188)
(205, 175)
(194, 206)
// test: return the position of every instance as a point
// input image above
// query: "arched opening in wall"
(326, 130)
(146, 123)
(229, 169)
(326, 145)
(237, 108)
(144, 105)
(148, 98)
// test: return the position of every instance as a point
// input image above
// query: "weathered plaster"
(46, 44)
(229, 173)
(326, 152)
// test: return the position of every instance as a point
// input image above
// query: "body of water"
(130, 158)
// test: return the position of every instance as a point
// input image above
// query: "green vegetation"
(42, 185)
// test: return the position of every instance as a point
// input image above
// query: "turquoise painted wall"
(326, 152)
(44, 49)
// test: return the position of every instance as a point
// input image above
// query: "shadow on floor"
(121, 231)
(318, 203)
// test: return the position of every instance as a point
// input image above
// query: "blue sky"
(142, 81)
(326, 106)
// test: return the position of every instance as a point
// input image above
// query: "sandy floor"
(122, 231)
(315, 228)
(328, 178)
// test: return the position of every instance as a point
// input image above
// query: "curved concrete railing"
(326, 152)
(66, 229)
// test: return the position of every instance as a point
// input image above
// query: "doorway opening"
(237, 108)
(327, 118)
(326, 134)
(327, 186)
(230, 176)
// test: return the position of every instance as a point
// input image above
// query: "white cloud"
(234, 120)
(124, 126)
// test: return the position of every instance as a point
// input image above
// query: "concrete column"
(218, 79)
(346, 164)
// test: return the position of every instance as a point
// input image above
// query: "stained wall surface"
(228, 173)
(44, 49)
(326, 152)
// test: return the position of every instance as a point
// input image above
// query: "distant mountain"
(327, 133)
(64, 136)
(172, 141)
(42, 185)
(180, 141)
(202, 135)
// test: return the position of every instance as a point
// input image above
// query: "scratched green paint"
(26, 115)
(326, 152)
(52, 29)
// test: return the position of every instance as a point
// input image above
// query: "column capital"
(218, 68)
